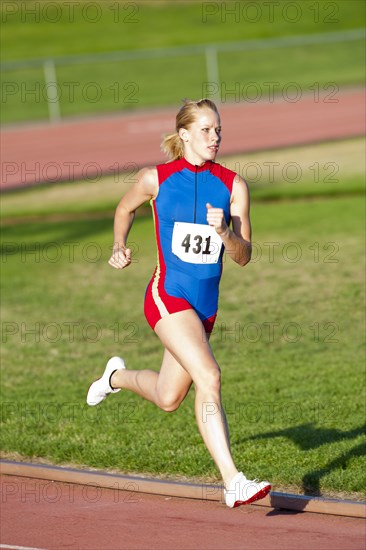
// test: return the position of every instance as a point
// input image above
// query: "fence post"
(53, 99)
(212, 68)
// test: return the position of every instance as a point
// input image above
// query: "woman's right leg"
(166, 388)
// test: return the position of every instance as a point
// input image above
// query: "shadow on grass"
(66, 231)
(307, 436)
(25, 238)
(311, 481)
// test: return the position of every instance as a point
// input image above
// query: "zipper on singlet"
(195, 194)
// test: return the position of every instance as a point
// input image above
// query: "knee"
(169, 403)
(214, 379)
(211, 384)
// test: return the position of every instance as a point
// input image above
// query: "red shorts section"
(209, 323)
(158, 304)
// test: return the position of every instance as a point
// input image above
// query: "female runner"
(194, 200)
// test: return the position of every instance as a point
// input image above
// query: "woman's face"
(202, 138)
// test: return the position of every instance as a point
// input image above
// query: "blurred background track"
(87, 148)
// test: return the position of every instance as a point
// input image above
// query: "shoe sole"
(258, 496)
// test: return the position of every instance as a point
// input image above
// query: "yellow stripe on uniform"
(155, 293)
(155, 289)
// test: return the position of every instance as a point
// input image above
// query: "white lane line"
(10, 547)
(139, 127)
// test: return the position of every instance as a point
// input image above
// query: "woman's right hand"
(121, 258)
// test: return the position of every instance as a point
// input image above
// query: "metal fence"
(50, 67)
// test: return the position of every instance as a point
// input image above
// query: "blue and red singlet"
(189, 255)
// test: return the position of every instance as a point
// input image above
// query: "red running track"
(87, 148)
(54, 516)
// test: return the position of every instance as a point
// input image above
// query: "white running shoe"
(244, 491)
(99, 389)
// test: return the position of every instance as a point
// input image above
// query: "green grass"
(104, 87)
(151, 24)
(289, 339)
(325, 169)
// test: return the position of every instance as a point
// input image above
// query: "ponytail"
(172, 145)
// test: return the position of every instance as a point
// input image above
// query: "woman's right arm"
(144, 189)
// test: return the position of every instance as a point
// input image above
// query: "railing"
(209, 51)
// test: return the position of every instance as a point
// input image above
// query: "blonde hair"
(172, 144)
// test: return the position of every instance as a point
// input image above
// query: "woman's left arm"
(238, 240)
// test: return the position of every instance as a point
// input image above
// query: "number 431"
(186, 243)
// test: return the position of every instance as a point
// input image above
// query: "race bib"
(196, 243)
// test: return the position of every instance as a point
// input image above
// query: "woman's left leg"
(182, 334)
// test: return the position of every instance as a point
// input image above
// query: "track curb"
(99, 478)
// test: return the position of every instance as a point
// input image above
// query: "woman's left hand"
(216, 218)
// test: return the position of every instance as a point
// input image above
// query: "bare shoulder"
(147, 179)
(240, 190)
